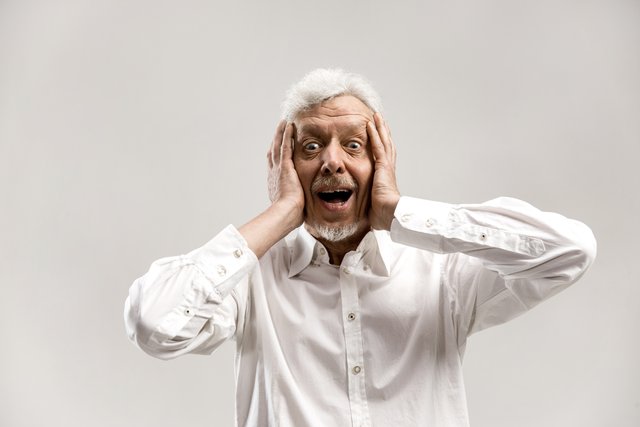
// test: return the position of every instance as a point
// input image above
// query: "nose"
(332, 159)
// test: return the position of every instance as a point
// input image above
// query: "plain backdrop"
(133, 130)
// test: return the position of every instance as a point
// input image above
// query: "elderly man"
(349, 304)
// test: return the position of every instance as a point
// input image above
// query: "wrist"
(389, 211)
(288, 214)
(383, 212)
(270, 226)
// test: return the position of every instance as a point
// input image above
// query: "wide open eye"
(311, 147)
(354, 145)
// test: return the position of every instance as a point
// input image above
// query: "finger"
(286, 153)
(383, 131)
(377, 148)
(385, 136)
(277, 142)
(391, 143)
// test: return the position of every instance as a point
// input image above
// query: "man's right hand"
(285, 191)
(284, 185)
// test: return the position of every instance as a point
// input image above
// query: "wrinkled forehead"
(342, 113)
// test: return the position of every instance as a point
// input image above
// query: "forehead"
(341, 113)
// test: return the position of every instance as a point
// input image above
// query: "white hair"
(322, 84)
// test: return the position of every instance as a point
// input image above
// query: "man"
(349, 304)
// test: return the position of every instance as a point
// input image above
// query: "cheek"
(305, 173)
(365, 174)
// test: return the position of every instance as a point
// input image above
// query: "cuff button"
(221, 270)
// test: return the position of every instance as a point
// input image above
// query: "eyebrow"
(316, 130)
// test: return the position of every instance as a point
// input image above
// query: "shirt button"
(221, 270)
(536, 245)
(483, 236)
(322, 251)
(188, 312)
(237, 253)
(406, 217)
(356, 370)
(429, 222)
(351, 316)
(346, 270)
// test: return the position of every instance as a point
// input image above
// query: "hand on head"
(283, 182)
(384, 189)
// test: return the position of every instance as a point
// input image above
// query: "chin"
(335, 232)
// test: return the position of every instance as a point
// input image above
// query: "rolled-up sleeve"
(502, 257)
(191, 303)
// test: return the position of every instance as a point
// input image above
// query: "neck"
(338, 249)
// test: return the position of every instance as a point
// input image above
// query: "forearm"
(509, 236)
(265, 230)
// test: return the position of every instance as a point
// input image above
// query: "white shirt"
(377, 341)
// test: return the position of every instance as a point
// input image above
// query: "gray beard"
(336, 234)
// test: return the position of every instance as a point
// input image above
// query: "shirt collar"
(375, 248)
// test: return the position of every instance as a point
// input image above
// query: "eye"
(311, 147)
(354, 145)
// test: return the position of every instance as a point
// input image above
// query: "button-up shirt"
(375, 341)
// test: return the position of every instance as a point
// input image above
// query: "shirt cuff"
(224, 260)
(424, 217)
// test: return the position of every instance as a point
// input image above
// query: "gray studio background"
(135, 130)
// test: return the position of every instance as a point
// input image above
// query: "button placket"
(353, 340)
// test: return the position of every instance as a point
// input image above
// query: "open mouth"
(335, 196)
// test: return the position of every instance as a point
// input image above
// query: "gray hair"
(322, 84)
